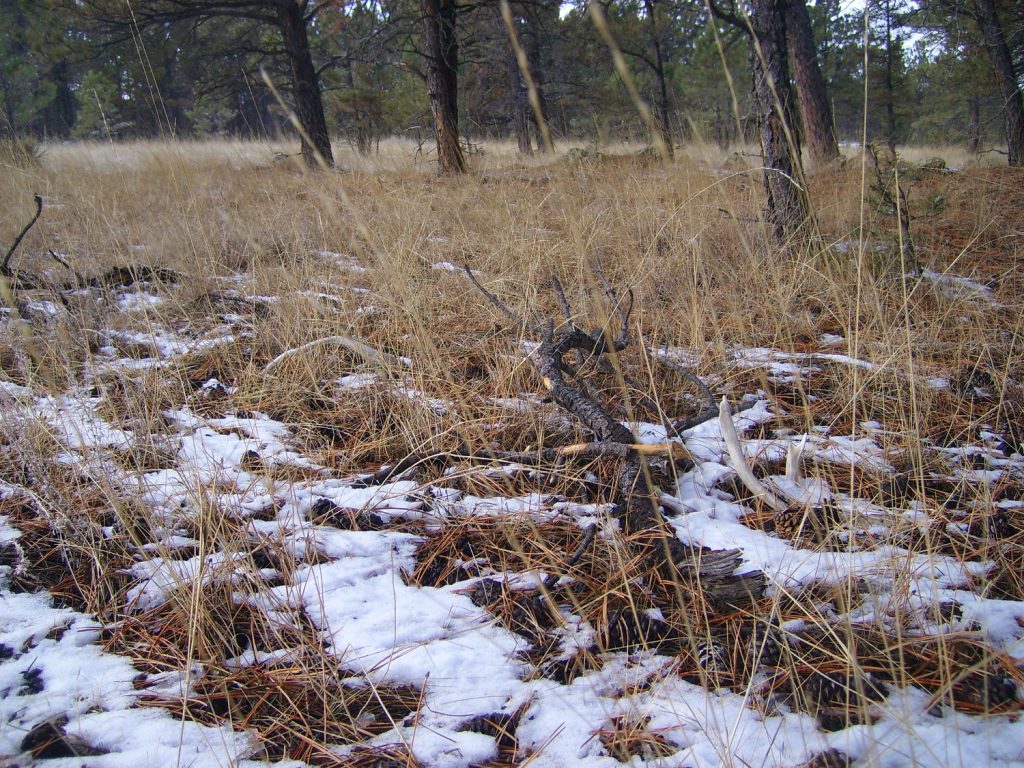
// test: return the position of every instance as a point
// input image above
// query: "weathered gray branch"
(637, 496)
(5, 267)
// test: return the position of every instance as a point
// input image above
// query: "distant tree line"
(448, 71)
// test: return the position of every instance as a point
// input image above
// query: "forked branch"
(637, 495)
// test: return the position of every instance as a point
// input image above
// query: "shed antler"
(738, 462)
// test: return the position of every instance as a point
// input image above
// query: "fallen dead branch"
(636, 493)
(5, 266)
(675, 451)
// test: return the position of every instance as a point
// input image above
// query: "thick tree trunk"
(786, 207)
(440, 45)
(819, 132)
(360, 122)
(663, 106)
(1006, 78)
(59, 114)
(175, 96)
(309, 105)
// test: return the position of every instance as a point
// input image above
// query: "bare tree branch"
(5, 267)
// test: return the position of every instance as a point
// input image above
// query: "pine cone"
(995, 526)
(989, 690)
(789, 522)
(766, 646)
(629, 630)
(829, 690)
(812, 524)
(712, 659)
(830, 758)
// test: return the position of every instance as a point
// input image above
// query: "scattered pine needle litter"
(315, 507)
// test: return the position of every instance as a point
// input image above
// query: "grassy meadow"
(182, 271)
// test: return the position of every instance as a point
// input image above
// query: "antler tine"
(739, 464)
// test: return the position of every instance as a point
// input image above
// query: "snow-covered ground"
(382, 629)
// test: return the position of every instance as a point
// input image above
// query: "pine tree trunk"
(520, 104)
(819, 132)
(1006, 78)
(309, 105)
(59, 114)
(519, 101)
(533, 48)
(973, 125)
(663, 106)
(440, 46)
(786, 208)
(890, 85)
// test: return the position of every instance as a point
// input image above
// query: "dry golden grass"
(239, 226)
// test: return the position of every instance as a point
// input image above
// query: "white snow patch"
(956, 287)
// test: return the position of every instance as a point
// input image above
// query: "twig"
(566, 308)
(589, 533)
(616, 304)
(5, 268)
(394, 472)
(735, 217)
(681, 425)
(64, 263)
(501, 306)
(563, 302)
(550, 366)
(676, 451)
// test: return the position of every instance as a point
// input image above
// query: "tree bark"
(519, 101)
(889, 83)
(786, 209)
(309, 105)
(534, 21)
(520, 104)
(59, 114)
(663, 107)
(973, 124)
(819, 133)
(1006, 78)
(440, 45)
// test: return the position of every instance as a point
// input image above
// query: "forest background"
(95, 69)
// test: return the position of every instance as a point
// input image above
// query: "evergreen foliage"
(66, 73)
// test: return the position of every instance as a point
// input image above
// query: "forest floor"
(216, 550)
